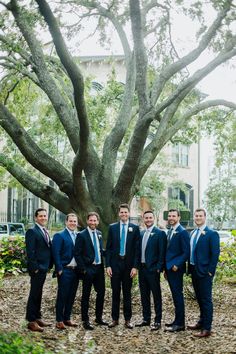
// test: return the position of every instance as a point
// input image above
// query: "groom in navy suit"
(63, 245)
(152, 251)
(205, 250)
(122, 258)
(177, 254)
(89, 257)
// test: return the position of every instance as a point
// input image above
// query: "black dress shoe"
(175, 328)
(87, 325)
(169, 324)
(155, 326)
(129, 325)
(101, 322)
(142, 324)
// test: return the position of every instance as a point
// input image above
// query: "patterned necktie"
(122, 241)
(95, 247)
(195, 238)
(144, 244)
(46, 235)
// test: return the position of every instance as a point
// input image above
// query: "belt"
(122, 257)
(70, 267)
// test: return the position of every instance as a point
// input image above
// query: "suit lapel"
(41, 234)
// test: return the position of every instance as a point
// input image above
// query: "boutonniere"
(151, 234)
(130, 229)
(99, 236)
(203, 232)
(175, 233)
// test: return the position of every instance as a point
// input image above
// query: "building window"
(180, 155)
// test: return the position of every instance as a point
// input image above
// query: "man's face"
(124, 214)
(92, 222)
(173, 218)
(41, 218)
(199, 218)
(148, 219)
(72, 223)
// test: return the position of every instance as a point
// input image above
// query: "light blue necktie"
(144, 244)
(73, 236)
(169, 235)
(122, 241)
(195, 238)
(95, 247)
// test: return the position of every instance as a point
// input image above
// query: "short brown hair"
(71, 214)
(174, 210)
(148, 211)
(38, 211)
(200, 209)
(93, 213)
(124, 205)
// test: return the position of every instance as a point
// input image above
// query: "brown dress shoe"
(33, 326)
(203, 333)
(113, 324)
(195, 326)
(69, 323)
(128, 325)
(41, 323)
(60, 325)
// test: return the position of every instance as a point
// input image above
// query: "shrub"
(12, 255)
(13, 343)
(226, 270)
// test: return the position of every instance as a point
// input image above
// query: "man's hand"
(174, 268)
(210, 274)
(60, 272)
(36, 271)
(133, 273)
(165, 275)
(109, 271)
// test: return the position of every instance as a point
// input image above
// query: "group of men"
(79, 256)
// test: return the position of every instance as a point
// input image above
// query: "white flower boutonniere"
(99, 236)
(130, 229)
(151, 234)
(203, 232)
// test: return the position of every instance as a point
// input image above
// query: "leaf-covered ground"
(13, 297)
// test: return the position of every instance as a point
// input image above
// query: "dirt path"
(13, 297)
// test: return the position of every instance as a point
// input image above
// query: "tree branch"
(64, 112)
(41, 190)
(172, 69)
(33, 154)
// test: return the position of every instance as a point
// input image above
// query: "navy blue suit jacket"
(84, 250)
(39, 255)
(207, 252)
(62, 249)
(155, 249)
(178, 249)
(132, 250)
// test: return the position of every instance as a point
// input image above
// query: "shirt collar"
(41, 227)
(176, 226)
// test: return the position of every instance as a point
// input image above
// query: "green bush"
(12, 255)
(226, 270)
(13, 343)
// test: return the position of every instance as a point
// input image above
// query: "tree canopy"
(158, 99)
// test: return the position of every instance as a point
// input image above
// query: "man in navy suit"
(122, 258)
(177, 254)
(63, 245)
(39, 261)
(89, 258)
(204, 254)
(152, 251)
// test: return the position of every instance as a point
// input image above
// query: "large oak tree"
(157, 98)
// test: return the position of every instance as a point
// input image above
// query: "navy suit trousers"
(94, 276)
(149, 282)
(68, 283)
(35, 296)
(175, 280)
(203, 290)
(121, 278)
